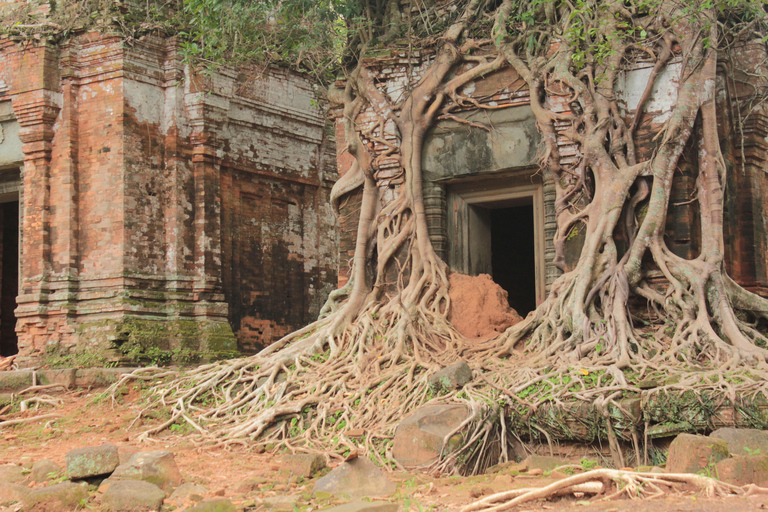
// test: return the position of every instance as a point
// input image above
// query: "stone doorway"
(500, 231)
(9, 272)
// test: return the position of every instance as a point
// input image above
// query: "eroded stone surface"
(419, 437)
(356, 478)
(92, 461)
(302, 464)
(691, 454)
(132, 496)
(156, 467)
(743, 470)
(743, 441)
(11, 493)
(12, 474)
(451, 377)
(63, 496)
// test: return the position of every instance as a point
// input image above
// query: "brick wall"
(154, 197)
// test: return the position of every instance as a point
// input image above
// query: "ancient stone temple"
(490, 211)
(146, 209)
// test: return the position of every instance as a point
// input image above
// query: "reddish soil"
(84, 422)
(479, 307)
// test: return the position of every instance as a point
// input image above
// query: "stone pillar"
(36, 112)
(434, 208)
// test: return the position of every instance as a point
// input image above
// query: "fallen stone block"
(132, 496)
(187, 491)
(743, 441)
(542, 463)
(91, 461)
(692, 454)
(44, 470)
(284, 503)
(419, 437)
(302, 464)
(63, 496)
(743, 470)
(12, 474)
(156, 467)
(214, 506)
(354, 479)
(12, 493)
(451, 377)
(364, 506)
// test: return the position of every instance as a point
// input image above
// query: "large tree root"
(609, 484)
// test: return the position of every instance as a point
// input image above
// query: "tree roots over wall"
(364, 365)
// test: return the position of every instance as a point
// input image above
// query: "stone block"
(743, 470)
(11, 493)
(743, 441)
(451, 377)
(91, 461)
(44, 470)
(284, 503)
(692, 454)
(132, 496)
(12, 474)
(542, 463)
(214, 506)
(189, 491)
(364, 506)
(419, 437)
(356, 478)
(63, 496)
(302, 464)
(156, 467)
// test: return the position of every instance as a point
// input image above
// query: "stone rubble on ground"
(91, 461)
(44, 470)
(61, 496)
(692, 454)
(302, 465)
(132, 496)
(419, 437)
(356, 478)
(150, 481)
(156, 467)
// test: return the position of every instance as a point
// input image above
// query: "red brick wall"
(152, 193)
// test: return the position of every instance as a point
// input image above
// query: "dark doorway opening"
(9, 276)
(513, 260)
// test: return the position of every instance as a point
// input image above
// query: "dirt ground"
(87, 422)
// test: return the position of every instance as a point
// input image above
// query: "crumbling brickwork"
(161, 208)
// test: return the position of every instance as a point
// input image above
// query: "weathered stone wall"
(161, 209)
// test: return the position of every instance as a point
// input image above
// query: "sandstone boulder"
(12, 474)
(12, 493)
(451, 377)
(156, 467)
(214, 506)
(63, 496)
(44, 470)
(132, 496)
(364, 506)
(91, 461)
(302, 464)
(743, 470)
(743, 441)
(356, 479)
(189, 491)
(419, 437)
(692, 454)
(283, 503)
